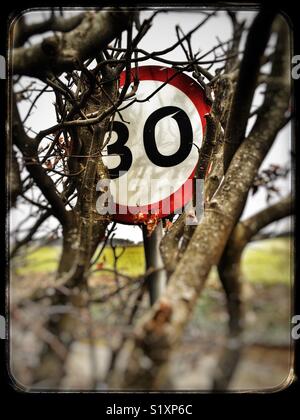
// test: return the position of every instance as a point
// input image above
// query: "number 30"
(120, 148)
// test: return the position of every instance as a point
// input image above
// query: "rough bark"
(210, 168)
(23, 31)
(223, 91)
(169, 244)
(57, 54)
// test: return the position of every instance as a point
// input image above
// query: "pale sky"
(160, 36)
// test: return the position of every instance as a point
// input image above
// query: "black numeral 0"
(186, 137)
(186, 141)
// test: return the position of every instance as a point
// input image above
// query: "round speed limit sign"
(152, 152)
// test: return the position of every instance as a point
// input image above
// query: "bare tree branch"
(28, 148)
(247, 80)
(229, 270)
(30, 233)
(24, 31)
(62, 53)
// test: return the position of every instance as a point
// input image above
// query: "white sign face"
(153, 149)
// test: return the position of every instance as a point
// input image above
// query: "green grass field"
(268, 261)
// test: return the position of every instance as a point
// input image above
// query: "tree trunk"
(81, 236)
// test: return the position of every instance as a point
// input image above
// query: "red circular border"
(196, 94)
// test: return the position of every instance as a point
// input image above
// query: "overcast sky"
(160, 36)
